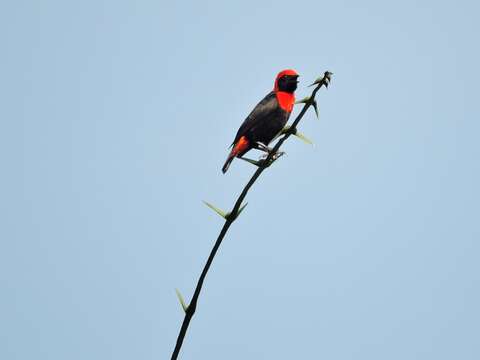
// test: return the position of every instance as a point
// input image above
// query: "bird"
(267, 118)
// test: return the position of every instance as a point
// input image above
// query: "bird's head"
(286, 81)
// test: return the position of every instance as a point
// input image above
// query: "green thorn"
(223, 214)
(254, 162)
(303, 138)
(282, 132)
(303, 101)
(327, 76)
(296, 133)
(317, 81)
(217, 210)
(229, 215)
(241, 209)
(315, 107)
(261, 162)
(182, 301)
(288, 130)
(232, 217)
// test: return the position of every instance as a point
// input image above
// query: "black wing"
(264, 108)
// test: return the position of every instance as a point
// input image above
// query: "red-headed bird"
(267, 119)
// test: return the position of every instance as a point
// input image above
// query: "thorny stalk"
(232, 215)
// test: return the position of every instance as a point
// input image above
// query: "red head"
(285, 85)
(286, 81)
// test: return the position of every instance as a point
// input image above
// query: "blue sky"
(116, 121)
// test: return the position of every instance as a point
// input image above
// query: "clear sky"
(115, 122)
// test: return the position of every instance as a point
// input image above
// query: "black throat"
(287, 84)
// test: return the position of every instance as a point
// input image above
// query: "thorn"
(317, 81)
(241, 209)
(314, 103)
(223, 214)
(288, 130)
(325, 79)
(284, 131)
(305, 100)
(303, 138)
(254, 162)
(217, 210)
(233, 217)
(182, 301)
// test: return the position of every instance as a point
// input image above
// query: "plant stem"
(233, 215)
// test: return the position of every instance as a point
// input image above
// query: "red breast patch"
(285, 100)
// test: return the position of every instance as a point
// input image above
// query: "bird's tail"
(227, 163)
(239, 148)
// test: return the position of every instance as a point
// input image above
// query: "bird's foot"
(261, 146)
(274, 157)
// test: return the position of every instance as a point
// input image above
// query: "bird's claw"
(278, 154)
(274, 157)
(261, 146)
